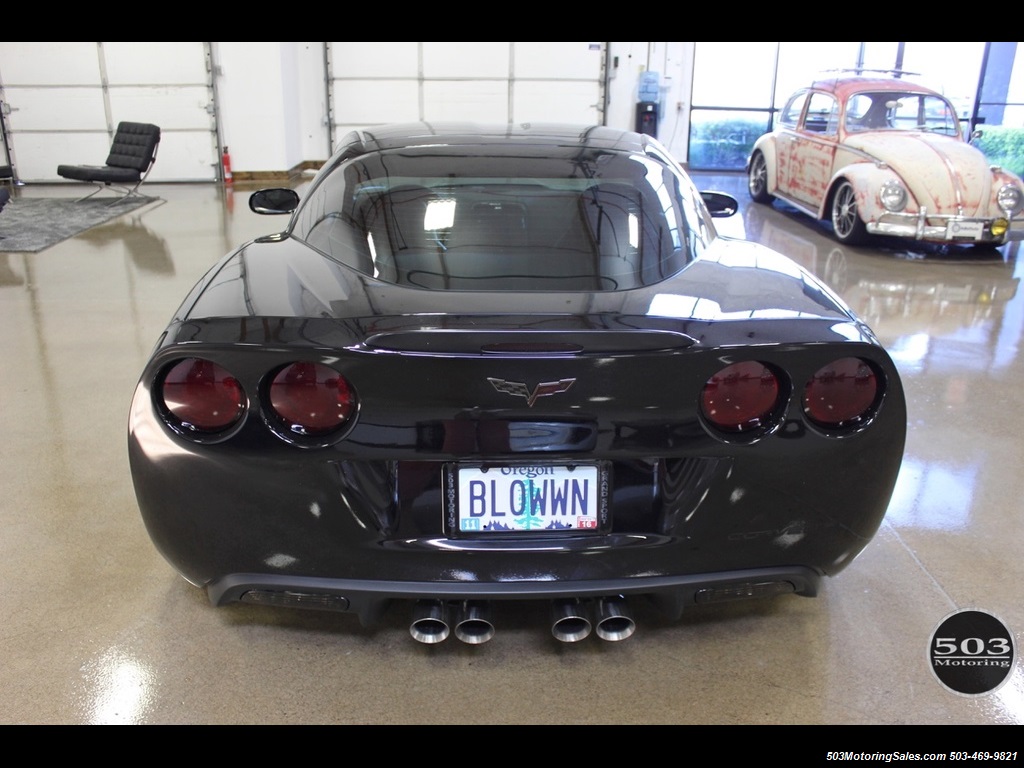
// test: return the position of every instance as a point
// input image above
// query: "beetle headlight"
(893, 196)
(1010, 199)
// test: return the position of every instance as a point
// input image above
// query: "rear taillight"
(741, 397)
(199, 396)
(841, 394)
(310, 399)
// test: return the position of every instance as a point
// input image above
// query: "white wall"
(674, 64)
(270, 99)
(313, 137)
(273, 101)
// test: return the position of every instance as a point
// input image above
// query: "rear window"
(433, 219)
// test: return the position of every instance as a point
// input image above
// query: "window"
(822, 114)
(733, 106)
(790, 115)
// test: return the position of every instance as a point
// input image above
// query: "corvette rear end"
(422, 426)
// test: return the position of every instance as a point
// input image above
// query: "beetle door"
(812, 150)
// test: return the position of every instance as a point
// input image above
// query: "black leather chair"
(130, 160)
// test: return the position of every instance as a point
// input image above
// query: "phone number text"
(888, 757)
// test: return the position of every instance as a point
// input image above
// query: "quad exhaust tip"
(572, 620)
(474, 624)
(609, 617)
(569, 621)
(432, 622)
(429, 622)
(614, 620)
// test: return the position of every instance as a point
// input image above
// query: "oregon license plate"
(965, 230)
(527, 498)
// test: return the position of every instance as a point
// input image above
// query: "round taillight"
(740, 397)
(201, 396)
(841, 393)
(311, 398)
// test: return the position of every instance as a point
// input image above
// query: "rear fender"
(766, 146)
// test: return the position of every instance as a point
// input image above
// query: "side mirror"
(274, 201)
(720, 205)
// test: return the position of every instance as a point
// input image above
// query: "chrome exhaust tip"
(614, 621)
(429, 622)
(569, 621)
(474, 625)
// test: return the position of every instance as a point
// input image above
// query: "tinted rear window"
(429, 218)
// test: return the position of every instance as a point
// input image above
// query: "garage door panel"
(359, 102)
(65, 98)
(503, 82)
(466, 60)
(180, 156)
(170, 108)
(561, 60)
(375, 60)
(39, 64)
(158, 62)
(560, 102)
(39, 154)
(466, 100)
(42, 109)
(183, 157)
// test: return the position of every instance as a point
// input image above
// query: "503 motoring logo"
(972, 652)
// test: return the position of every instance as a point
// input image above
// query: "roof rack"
(864, 71)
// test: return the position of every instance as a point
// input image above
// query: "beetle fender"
(867, 179)
(766, 146)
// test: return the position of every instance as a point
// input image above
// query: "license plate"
(527, 498)
(965, 230)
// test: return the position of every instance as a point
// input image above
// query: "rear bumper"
(367, 520)
(369, 599)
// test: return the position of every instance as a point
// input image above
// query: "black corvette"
(515, 362)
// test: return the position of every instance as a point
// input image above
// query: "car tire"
(757, 180)
(846, 221)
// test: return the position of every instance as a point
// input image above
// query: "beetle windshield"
(446, 218)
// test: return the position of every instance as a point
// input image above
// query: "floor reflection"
(117, 690)
(9, 275)
(909, 296)
(952, 317)
(147, 249)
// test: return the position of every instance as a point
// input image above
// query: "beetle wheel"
(757, 182)
(846, 222)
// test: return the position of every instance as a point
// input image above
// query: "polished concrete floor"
(96, 628)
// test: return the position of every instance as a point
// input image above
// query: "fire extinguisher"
(226, 162)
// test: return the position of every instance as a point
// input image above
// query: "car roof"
(843, 85)
(399, 136)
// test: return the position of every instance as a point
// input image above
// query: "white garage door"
(62, 102)
(371, 83)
